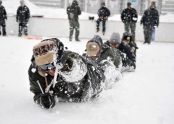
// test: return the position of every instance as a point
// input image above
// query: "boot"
(97, 30)
(77, 39)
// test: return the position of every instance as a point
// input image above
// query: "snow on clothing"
(150, 19)
(128, 57)
(109, 61)
(103, 14)
(22, 17)
(3, 17)
(129, 17)
(81, 82)
(73, 12)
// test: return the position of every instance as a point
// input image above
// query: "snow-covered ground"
(145, 96)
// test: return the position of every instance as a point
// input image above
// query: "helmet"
(94, 46)
(48, 51)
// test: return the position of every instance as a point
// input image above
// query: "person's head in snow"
(114, 40)
(55, 73)
(94, 47)
(46, 54)
(0, 2)
(127, 37)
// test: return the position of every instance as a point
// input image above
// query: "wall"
(60, 28)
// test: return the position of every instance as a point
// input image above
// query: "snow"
(141, 97)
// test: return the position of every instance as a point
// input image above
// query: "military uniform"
(3, 18)
(129, 18)
(150, 19)
(73, 12)
(22, 17)
(103, 14)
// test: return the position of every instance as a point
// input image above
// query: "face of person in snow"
(114, 44)
(48, 68)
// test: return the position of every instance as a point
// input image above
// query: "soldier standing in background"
(150, 20)
(129, 18)
(73, 12)
(22, 17)
(3, 17)
(103, 14)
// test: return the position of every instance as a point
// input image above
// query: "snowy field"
(145, 96)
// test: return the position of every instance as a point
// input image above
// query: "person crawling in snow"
(127, 39)
(64, 76)
(127, 55)
(106, 58)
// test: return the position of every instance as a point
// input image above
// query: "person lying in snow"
(56, 74)
(106, 58)
(127, 55)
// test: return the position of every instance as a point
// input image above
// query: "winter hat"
(127, 36)
(45, 52)
(115, 38)
(128, 3)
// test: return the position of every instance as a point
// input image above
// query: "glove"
(47, 101)
(68, 65)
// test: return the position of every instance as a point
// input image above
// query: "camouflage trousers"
(103, 24)
(23, 27)
(3, 26)
(147, 34)
(74, 25)
(130, 26)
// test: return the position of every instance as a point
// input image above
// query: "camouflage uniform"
(3, 17)
(22, 17)
(129, 18)
(73, 12)
(103, 14)
(150, 19)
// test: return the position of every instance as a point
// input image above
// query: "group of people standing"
(22, 18)
(129, 17)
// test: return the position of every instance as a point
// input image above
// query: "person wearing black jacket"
(103, 14)
(127, 54)
(73, 12)
(59, 75)
(22, 17)
(150, 19)
(129, 18)
(3, 18)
